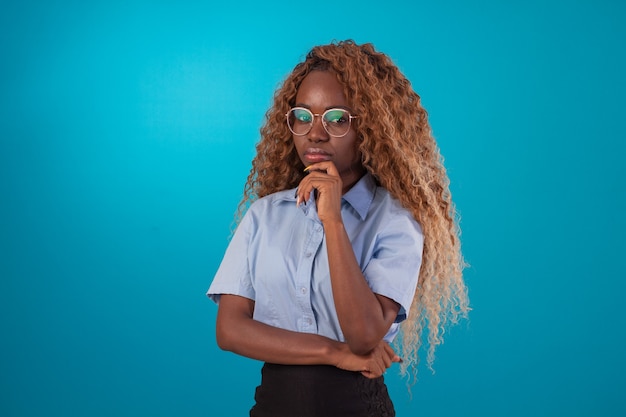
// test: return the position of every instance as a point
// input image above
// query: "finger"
(327, 166)
(303, 191)
(378, 367)
(392, 353)
(387, 360)
(367, 374)
(319, 181)
(371, 373)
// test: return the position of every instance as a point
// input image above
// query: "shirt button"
(308, 321)
(303, 290)
(308, 254)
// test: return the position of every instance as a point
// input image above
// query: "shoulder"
(270, 205)
(391, 213)
(387, 201)
(273, 199)
(384, 201)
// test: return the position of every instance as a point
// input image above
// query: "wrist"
(337, 352)
(333, 224)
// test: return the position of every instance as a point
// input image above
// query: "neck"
(352, 178)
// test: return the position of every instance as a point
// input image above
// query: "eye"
(336, 116)
(302, 116)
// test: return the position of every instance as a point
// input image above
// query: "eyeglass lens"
(335, 121)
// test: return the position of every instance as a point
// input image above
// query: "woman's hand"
(372, 365)
(323, 177)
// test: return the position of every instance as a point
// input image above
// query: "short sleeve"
(233, 275)
(394, 267)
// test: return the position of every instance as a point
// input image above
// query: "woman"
(350, 231)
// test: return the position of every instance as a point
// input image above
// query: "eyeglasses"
(336, 122)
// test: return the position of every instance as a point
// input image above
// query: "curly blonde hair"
(398, 149)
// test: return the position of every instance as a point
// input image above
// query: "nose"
(318, 133)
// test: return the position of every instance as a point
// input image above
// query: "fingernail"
(298, 201)
(307, 168)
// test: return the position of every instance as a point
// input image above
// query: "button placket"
(306, 322)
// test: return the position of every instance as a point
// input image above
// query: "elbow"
(223, 344)
(224, 338)
(222, 341)
(233, 317)
(360, 349)
(362, 344)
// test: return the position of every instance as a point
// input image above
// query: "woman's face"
(320, 91)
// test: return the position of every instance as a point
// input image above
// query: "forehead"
(321, 89)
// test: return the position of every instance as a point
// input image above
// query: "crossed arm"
(364, 317)
(238, 332)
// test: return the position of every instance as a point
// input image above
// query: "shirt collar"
(361, 195)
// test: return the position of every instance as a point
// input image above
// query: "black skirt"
(319, 391)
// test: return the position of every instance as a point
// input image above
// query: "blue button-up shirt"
(277, 257)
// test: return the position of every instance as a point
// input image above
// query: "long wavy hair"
(398, 149)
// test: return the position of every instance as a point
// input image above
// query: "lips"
(316, 155)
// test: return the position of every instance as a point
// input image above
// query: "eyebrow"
(306, 106)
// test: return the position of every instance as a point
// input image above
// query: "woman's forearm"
(364, 317)
(238, 332)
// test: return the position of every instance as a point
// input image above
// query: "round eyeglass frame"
(350, 117)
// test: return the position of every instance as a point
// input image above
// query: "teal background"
(126, 134)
